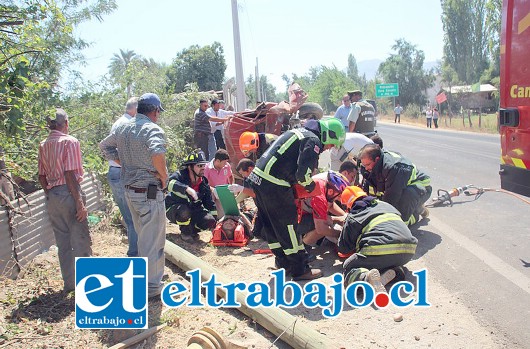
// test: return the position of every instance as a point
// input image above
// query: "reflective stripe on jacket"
(374, 227)
(290, 159)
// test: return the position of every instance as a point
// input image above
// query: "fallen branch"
(16, 339)
(139, 337)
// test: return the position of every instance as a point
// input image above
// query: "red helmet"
(248, 142)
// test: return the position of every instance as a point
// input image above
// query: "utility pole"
(258, 84)
(240, 79)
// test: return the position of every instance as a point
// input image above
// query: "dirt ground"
(36, 314)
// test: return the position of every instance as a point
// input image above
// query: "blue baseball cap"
(151, 98)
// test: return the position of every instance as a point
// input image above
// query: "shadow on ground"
(427, 240)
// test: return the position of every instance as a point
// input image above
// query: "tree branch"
(11, 23)
(18, 54)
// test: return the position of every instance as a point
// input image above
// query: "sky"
(286, 36)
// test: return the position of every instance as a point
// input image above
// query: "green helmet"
(332, 132)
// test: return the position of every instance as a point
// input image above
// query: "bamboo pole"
(137, 338)
(277, 321)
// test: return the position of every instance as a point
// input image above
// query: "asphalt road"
(479, 249)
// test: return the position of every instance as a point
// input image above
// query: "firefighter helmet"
(351, 194)
(248, 142)
(332, 132)
(195, 158)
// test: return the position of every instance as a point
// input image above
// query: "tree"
(38, 45)
(466, 38)
(405, 67)
(118, 65)
(204, 66)
(493, 27)
(352, 71)
(268, 91)
(329, 87)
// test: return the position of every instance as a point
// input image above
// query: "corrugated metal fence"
(30, 233)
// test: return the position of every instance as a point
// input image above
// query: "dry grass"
(488, 122)
(37, 314)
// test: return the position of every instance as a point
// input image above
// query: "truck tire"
(310, 111)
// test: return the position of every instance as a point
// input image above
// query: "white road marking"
(494, 262)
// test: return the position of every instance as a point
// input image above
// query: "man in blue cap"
(139, 146)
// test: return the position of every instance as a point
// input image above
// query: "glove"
(235, 188)
(192, 193)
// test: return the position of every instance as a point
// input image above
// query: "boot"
(310, 274)
(425, 213)
(374, 278)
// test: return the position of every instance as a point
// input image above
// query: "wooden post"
(282, 324)
(6, 182)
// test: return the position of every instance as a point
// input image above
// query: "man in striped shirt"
(60, 172)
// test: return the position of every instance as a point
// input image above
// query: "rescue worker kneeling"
(189, 201)
(381, 241)
(396, 180)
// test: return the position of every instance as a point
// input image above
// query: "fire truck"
(514, 110)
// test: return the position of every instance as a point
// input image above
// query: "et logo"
(111, 293)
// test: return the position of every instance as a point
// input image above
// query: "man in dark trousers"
(288, 161)
(202, 130)
(394, 179)
(189, 203)
(379, 238)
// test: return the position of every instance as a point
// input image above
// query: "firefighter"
(379, 238)
(291, 159)
(255, 143)
(395, 180)
(189, 201)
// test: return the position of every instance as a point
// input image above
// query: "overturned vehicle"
(269, 117)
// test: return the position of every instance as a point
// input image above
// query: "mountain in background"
(369, 67)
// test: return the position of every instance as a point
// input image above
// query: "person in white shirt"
(217, 110)
(397, 113)
(353, 143)
(428, 115)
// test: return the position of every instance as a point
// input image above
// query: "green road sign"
(386, 90)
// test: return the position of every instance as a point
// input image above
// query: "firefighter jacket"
(290, 159)
(366, 121)
(265, 141)
(391, 175)
(177, 184)
(375, 228)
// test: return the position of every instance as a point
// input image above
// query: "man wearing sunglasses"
(396, 180)
(189, 201)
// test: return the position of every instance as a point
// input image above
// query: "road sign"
(386, 90)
